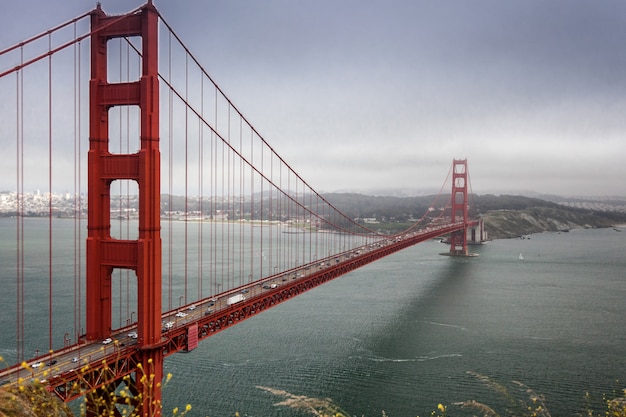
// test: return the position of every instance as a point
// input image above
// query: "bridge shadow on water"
(422, 355)
(396, 335)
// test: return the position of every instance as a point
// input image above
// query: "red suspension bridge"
(158, 272)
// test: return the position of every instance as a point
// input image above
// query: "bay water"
(411, 331)
(417, 329)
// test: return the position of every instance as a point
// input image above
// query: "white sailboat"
(521, 257)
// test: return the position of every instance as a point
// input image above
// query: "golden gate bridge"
(155, 276)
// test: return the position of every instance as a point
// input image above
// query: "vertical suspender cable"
(80, 201)
(251, 207)
(241, 207)
(221, 191)
(76, 212)
(186, 104)
(270, 234)
(221, 194)
(229, 276)
(309, 241)
(201, 187)
(170, 175)
(283, 249)
(19, 302)
(213, 188)
(261, 215)
(50, 193)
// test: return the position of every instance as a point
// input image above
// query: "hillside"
(505, 216)
(514, 223)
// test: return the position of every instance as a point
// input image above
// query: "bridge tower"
(459, 204)
(104, 253)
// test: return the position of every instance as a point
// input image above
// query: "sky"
(380, 96)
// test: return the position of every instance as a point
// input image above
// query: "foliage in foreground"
(31, 400)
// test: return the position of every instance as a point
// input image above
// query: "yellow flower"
(188, 407)
(441, 408)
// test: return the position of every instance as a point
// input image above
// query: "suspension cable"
(20, 211)
(53, 51)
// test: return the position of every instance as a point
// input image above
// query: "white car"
(36, 365)
(107, 341)
(192, 307)
(132, 335)
(169, 324)
(181, 314)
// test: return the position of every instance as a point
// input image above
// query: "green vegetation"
(514, 223)
(31, 400)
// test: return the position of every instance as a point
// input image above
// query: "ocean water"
(405, 333)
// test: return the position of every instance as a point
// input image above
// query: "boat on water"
(521, 257)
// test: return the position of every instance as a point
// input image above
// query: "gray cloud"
(386, 94)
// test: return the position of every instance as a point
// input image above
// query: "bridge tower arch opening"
(105, 253)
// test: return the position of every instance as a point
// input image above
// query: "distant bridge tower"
(458, 239)
(105, 253)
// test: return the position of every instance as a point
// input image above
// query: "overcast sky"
(364, 96)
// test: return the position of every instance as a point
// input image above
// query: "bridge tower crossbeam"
(104, 253)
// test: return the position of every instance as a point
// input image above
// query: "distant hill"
(504, 215)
